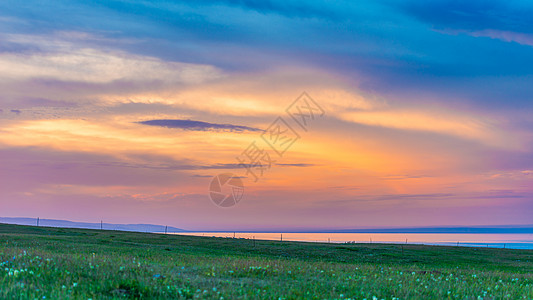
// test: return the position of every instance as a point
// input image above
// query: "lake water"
(513, 241)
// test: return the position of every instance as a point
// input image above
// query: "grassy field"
(56, 263)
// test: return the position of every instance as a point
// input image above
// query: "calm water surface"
(514, 241)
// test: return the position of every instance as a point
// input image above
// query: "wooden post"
(166, 227)
(457, 243)
(254, 241)
(37, 221)
(328, 240)
(101, 225)
(281, 238)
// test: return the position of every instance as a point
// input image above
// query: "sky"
(392, 113)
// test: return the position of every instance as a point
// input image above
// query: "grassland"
(56, 263)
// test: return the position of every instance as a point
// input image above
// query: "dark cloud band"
(198, 125)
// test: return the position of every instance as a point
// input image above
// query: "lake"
(512, 241)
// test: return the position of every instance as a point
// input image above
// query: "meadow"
(59, 263)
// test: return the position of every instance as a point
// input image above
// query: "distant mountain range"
(504, 229)
(106, 226)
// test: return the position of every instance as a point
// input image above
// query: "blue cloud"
(296, 165)
(394, 48)
(514, 16)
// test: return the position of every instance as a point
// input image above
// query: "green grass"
(57, 263)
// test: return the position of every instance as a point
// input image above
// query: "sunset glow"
(427, 121)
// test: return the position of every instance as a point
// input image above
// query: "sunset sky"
(123, 111)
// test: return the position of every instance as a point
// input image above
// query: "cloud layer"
(127, 108)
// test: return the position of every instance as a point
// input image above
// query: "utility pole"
(166, 227)
(101, 225)
(281, 238)
(254, 241)
(37, 221)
